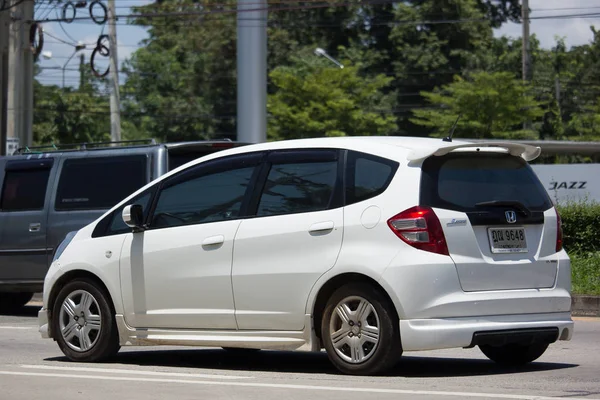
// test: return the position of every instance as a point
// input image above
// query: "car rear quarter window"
(367, 176)
(25, 186)
(99, 182)
(460, 181)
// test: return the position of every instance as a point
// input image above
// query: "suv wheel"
(10, 302)
(360, 330)
(83, 322)
(514, 354)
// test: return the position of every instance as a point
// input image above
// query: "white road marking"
(18, 327)
(135, 372)
(290, 387)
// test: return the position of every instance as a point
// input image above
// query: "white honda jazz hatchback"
(366, 247)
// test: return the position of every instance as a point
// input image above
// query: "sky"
(575, 30)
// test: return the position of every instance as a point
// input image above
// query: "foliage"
(581, 226)
(585, 273)
(581, 238)
(490, 105)
(65, 115)
(317, 99)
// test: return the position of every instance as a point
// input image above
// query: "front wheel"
(514, 354)
(83, 322)
(360, 330)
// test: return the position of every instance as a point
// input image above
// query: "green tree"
(491, 105)
(314, 99)
(68, 115)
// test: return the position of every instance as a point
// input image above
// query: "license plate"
(507, 240)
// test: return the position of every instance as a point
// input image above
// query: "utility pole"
(526, 51)
(252, 71)
(15, 77)
(81, 69)
(26, 135)
(3, 77)
(115, 103)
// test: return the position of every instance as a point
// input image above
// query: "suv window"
(99, 183)
(367, 176)
(298, 187)
(25, 189)
(460, 181)
(209, 197)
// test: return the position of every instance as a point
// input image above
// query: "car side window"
(298, 187)
(99, 182)
(25, 185)
(210, 196)
(367, 176)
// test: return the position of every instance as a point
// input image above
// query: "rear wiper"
(506, 203)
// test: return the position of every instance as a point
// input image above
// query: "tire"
(377, 348)
(514, 354)
(10, 302)
(83, 322)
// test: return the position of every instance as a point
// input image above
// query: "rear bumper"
(432, 334)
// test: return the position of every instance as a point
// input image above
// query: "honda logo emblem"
(511, 217)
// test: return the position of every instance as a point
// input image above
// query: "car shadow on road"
(315, 363)
(27, 311)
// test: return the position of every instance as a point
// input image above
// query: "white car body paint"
(259, 286)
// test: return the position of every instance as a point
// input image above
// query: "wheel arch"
(70, 276)
(332, 284)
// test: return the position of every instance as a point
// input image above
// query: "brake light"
(559, 232)
(420, 228)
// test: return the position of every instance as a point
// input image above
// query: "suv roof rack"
(82, 146)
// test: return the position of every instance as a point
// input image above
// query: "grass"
(585, 272)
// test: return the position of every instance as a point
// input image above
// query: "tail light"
(420, 228)
(559, 232)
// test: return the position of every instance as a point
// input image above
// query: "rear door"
(499, 223)
(293, 239)
(23, 215)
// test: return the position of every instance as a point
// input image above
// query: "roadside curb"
(585, 306)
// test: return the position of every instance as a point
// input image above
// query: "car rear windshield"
(461, 181)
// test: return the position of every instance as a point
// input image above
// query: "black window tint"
(461, 181)
(367, 176)
(99, 183)
(300, 187)
(117, 224)
(24, 189)
(217, 196)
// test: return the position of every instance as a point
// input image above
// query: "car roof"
(400, 148)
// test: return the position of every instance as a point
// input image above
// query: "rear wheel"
(514, 354)
(83, 322)
(14, 301)
(360, 330)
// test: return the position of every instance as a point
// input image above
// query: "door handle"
(35, 227)
(213, 240)
(321, 227)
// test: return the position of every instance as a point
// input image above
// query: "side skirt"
(304, 340)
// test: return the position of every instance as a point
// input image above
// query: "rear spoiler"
(526, 151)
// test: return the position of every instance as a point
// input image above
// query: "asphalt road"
(33, 368)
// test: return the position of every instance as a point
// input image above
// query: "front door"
(23, 216)
(177, 273)
(295, 238)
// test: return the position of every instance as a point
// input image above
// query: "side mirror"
(133, 216)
